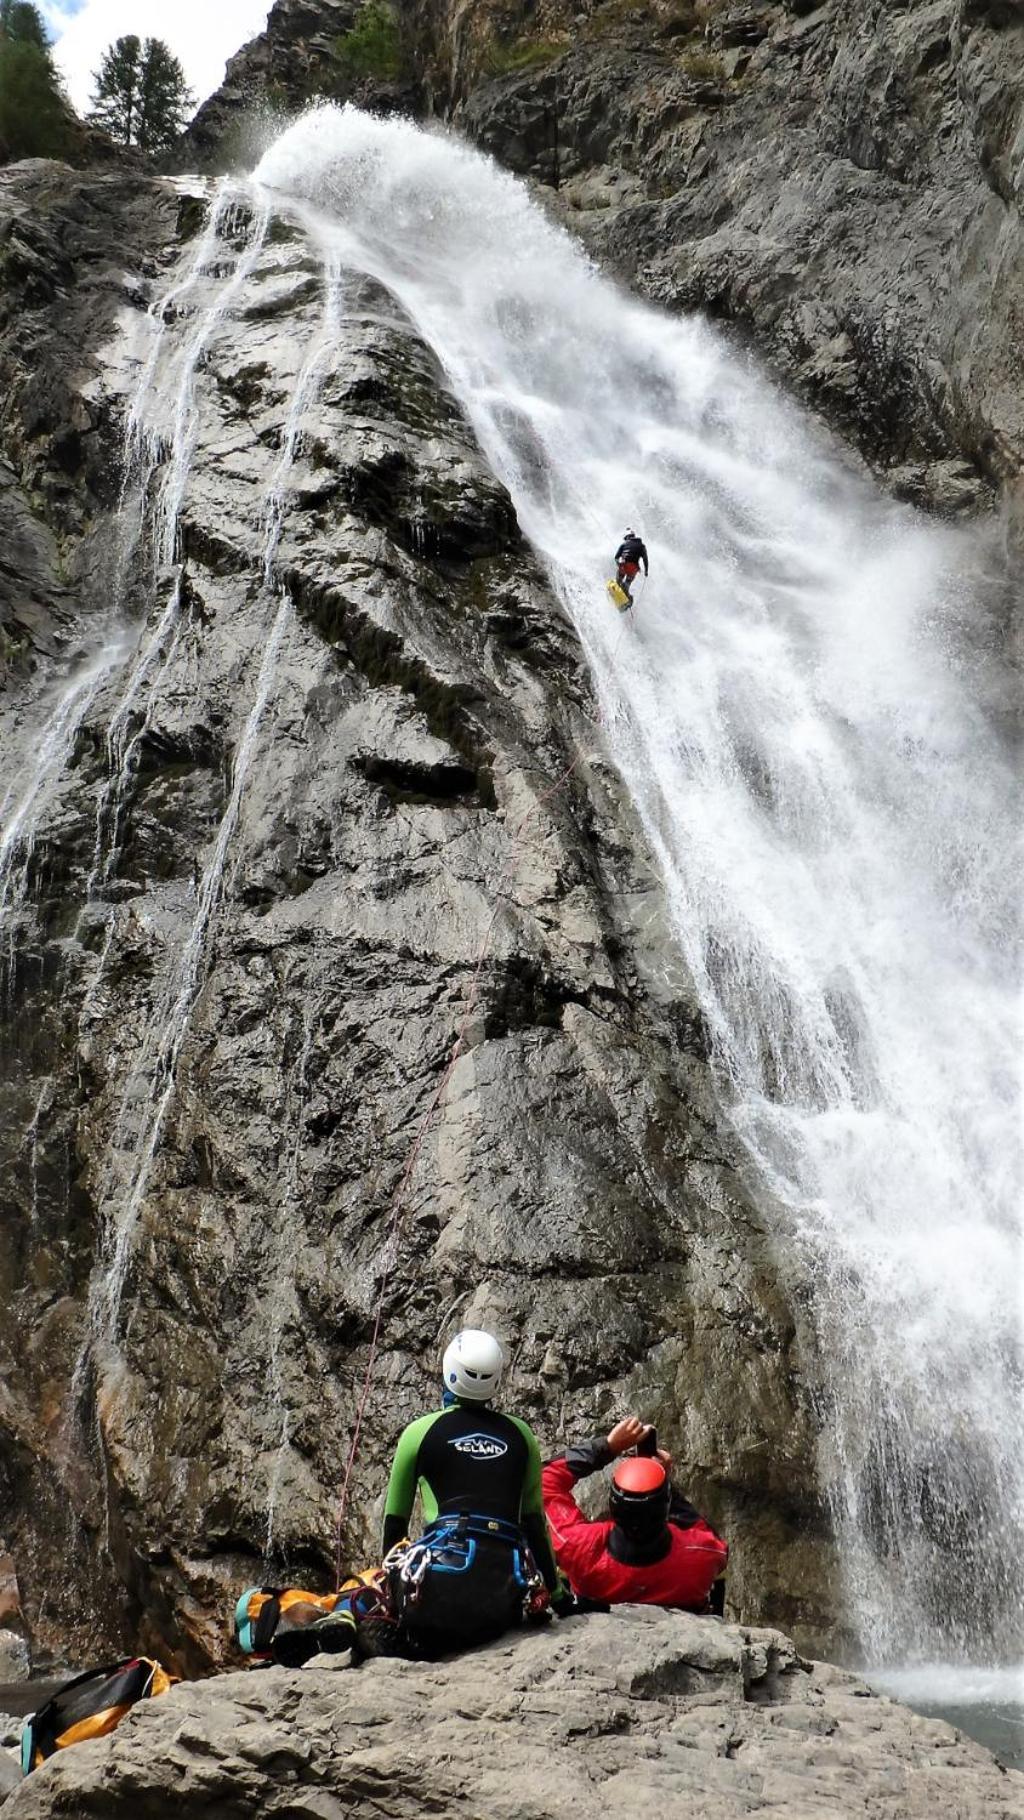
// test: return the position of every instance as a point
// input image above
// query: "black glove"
(567, 1604)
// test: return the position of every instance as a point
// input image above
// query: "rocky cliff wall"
(285, 702)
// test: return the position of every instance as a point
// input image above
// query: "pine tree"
(22, 23)
(116, 96)
(166, 100)
(141, 95)
(35, 119)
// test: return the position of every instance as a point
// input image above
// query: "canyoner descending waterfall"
(801, 723)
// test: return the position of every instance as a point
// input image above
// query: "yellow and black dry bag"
(90, 1706)
(265, 1612)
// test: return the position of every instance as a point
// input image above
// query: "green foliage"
(140, 95)
(35, 120)
(373, 48)
(702, 65)
(116, 95)
(22, 23)
(523, 54)
(166, 101)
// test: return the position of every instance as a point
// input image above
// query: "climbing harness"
(485, 1562)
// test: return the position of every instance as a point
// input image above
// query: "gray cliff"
(245, 931)
(198, 1190)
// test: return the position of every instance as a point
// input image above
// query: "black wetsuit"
(469, 1461)
(631, 552)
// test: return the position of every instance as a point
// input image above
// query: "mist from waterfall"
(798, 710)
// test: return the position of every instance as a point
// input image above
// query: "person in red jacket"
(654, 1549)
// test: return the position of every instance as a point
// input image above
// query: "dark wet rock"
(608, 1716)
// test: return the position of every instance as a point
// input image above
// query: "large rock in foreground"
(642, 1710)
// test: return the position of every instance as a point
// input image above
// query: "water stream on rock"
(798, 710)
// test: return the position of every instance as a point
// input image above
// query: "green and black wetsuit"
(471, 1461)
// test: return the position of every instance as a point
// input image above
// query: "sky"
(203, 34)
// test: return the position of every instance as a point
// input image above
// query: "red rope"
(397, 1204)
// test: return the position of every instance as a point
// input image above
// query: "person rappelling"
(484, 1561)
(629, 557)
(654, 1548)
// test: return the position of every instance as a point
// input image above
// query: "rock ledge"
(605, 1716)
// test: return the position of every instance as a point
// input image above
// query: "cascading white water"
(28, 795)
(796, 711)
(153, 1079)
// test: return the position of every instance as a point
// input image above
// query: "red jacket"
(683, 1577)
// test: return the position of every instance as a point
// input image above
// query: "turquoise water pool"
(986, 1703)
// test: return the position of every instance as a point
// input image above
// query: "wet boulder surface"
(636, 1711)
(311, 784)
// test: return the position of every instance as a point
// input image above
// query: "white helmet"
(629, 531)
(473, 1365)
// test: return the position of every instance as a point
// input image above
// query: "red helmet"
(640, 1497)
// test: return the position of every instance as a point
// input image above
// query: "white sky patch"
(202, 33)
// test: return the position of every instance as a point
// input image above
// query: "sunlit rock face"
(305, 780)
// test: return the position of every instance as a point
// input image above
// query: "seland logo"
(480, 1447)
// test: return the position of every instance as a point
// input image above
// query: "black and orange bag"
(90, 1706)
(266, 1612)
(267, 1616)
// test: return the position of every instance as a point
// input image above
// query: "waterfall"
(28, 796)
(134, 1146)
(798, 709)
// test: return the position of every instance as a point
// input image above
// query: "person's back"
(631, 552)
(485, 1550)
(654, 1549)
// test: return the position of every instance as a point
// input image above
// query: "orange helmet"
(640, 1497)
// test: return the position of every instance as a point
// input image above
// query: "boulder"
(15, 1662)
(602, 1718)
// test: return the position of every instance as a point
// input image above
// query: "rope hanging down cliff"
(396, 1209)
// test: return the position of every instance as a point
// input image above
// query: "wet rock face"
(841, 181)
(331, 791)
(640, 1710)
(62, 283)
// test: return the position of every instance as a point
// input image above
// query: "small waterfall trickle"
(28, 797)
(146, 443)
(171, 1020)
(152, 1080)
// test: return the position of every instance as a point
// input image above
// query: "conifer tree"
(166, 99)
(117, 90)
(140, 94)
(22, 23)
(35, 118)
